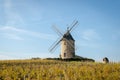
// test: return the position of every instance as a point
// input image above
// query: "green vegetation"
(57, 70)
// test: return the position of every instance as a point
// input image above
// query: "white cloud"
(7, 4)
(88, 38)
(10, 56)
(90, 35)
(14, 33)
(10, 28)
(87, 44)
(4, 57)
(13, 55)
(13, 36)
(116, 35)
(12, 17)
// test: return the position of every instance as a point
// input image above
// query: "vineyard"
(57, 70)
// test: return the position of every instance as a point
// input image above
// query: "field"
(57, 70)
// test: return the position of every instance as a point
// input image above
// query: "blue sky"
(26, 27)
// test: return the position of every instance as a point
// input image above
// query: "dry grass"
(57, 70)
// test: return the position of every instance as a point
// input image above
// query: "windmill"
(67, 42)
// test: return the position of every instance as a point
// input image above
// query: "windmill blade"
(51, 49)
(73, 25)
(58, 31)
(54, 45)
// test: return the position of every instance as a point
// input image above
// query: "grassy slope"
(57, 70)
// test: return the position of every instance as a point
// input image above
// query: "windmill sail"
(54, 45)
(72, 26)
(57, 30)
(67, 42)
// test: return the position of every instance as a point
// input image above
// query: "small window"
(64, 43)
(64, 54)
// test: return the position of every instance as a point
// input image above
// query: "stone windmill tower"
(67, 43)
(67, 46)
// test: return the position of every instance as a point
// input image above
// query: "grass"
(57, 70)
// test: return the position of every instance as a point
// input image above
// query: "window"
(64, 54)
(64, 43)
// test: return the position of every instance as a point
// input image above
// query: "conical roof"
(68, 36)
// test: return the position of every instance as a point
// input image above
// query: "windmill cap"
(68, 36)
